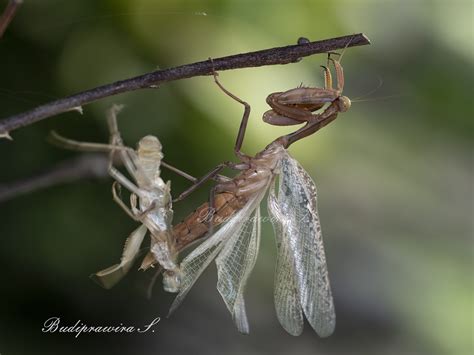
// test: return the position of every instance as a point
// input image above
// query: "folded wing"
(301, 281)
(286, 293)
(227, 237)
(234, 265)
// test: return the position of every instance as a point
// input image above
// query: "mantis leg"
(119, 201)
(213, 174)
(327, 77)
(153, 281)
(110, 276)
(338, 66)
(58, 140)
(243, 123)
(339, 74)
(127, 160)
(178, 171)
(191, 178)
(140, 214)
(124, 181)
(128, 157)
(134, 212)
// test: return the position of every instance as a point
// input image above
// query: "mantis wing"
(234, 265)
(301, 279)
(287, 295)
(194, 264)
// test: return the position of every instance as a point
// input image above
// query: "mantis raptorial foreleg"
(108, 277)
(296, 106)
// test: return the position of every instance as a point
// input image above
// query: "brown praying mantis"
(301, 281)
(295, 106)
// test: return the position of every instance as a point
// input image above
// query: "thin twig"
(279, 55)
(8, 14)
(86, 166)
(82, 167)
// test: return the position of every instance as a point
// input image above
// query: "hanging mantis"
(301, 281)
(302, 285)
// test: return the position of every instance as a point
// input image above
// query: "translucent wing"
(286, 293)
(107, 278)
(196, 262)
(302, 263)
(234, 265)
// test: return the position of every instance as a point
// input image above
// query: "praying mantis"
(301, 280)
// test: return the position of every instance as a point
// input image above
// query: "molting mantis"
(301, 280)
(150, 202)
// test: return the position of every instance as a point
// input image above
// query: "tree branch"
(279, 55)
(8, 14)
(82, 167)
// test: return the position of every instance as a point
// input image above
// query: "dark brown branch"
(8, 14)
(82, 167)
(279, 55)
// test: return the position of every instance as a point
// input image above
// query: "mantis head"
(343, 103)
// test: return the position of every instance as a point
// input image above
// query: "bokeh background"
(394, 173)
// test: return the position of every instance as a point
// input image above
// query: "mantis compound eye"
(344, 103)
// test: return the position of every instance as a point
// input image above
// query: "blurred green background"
(394, 173)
